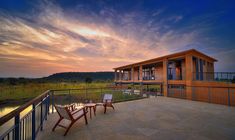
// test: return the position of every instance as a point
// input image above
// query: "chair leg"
(57, 123)
(67, 130)
(85, 119)
(105, 108)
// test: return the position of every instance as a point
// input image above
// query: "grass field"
(22, 93)
(28, 91)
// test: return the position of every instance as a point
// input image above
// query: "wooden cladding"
(217, 95)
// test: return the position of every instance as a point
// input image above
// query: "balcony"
(226, 77)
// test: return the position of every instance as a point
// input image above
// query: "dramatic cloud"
(54, 39)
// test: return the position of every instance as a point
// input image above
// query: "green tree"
(88, 80)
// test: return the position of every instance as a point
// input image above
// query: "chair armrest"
(77, 110)
(84, 110)
(106, 101)
(71, 107)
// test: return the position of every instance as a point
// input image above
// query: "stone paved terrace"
(159, 118)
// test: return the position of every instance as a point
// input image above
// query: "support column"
(165, 77)
(115, 75)
(197, 69)
(140, 73)
(212, 70)
(141, 88)
(120, 75)
(189, 76)
(141, 79)
(132, 88)
(132, 73)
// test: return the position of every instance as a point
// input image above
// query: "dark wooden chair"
(69, 113)
(107, 102)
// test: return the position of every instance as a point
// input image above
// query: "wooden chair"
(107, 102)
(69, 113)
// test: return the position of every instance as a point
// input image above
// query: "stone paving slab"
(160, 118)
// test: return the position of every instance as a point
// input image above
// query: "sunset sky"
(39, 38)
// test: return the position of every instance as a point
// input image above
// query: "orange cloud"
(55, 42)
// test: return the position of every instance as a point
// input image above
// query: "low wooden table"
(91, 105)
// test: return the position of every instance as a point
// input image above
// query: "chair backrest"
(63, 112)
(108, 98)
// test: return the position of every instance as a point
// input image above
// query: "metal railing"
(85, 95)
(215, 76)
(210, 94)
(28, 126)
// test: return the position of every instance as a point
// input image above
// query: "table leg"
(90, 112)
(94, 109)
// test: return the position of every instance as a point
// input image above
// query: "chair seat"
(99, 104)
(71, 114)
(77, 114)
(106, 102)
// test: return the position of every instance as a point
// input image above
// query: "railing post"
(100, 94)
(48, 104)
(33, 123)
(229, 96)
(53, 101)
(86, 93)
(46, 112)
(101, 91)
(221, 76)
(70, 98)
(17, 127)
(227, 78)
(41, 115)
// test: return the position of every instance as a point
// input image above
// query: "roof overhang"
(178, 54)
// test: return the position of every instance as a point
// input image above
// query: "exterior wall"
(218, 95)
(136, 75)
(159, 73)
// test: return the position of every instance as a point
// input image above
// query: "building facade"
(174, 73)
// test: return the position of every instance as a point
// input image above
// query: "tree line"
(73, 77)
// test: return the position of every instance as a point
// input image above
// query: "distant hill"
(80, 76)
(62, 77)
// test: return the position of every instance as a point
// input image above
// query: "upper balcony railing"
(150, 77)
(228, 77)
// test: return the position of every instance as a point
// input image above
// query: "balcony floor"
(152, 118)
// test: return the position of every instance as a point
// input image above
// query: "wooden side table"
(91, 105)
